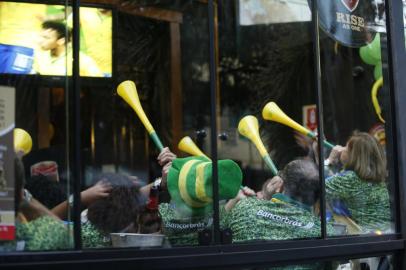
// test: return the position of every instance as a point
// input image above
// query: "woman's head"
(117, 211)
(365, 156)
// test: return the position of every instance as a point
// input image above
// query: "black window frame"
(247, 254)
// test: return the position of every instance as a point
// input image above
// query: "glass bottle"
(150, 220)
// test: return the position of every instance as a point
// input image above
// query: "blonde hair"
(366, 157)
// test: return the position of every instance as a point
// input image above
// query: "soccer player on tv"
(55, 49)
(19, 25)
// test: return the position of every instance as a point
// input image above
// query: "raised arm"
(100, 190)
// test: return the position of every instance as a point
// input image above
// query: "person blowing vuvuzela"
(283, 211)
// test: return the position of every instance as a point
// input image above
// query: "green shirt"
(368, 202)
(183, 229)
(44, 233)
(93, 238)
(256, 219)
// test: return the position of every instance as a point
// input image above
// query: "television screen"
(254, 12)
(36, 39)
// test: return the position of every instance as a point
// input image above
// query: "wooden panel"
(102, 2)
(148, 12)
(176, 87)
(152, 13)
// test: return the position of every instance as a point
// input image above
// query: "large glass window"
(266, 74)
(133, 126)
(359, 173)
(268, 118)
(36, 57)
(155, 83)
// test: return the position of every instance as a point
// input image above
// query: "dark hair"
(60, 27)
(117, 211)
(48, 192)
(19, 177)
(301, 181)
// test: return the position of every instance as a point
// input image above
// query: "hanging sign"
(7, 111)
(349, 22)
(310, 117)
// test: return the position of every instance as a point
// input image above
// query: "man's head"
(120, 208)
(301, 181)
(54, 34)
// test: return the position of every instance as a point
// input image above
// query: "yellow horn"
(128, 91)
(188, 146)
(272, 112)
(248, 127)
(22, 141)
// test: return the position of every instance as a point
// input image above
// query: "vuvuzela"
(188, 146)
(272, 112)
(249, 128)
(128, 92)
(22, 141)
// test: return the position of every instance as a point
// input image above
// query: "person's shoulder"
(250, 202)
(41, 228)
(179, 213)
(344, 175)
(92, 237)
(46, 221)
(165, 209)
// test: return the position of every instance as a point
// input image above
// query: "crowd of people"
(286, 207)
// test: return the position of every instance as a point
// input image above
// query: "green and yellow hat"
(190, 182)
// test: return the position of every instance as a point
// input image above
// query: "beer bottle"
(150, 220)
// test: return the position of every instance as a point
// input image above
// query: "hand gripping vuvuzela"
(249, 128)
(128, 92)
(272, 112)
